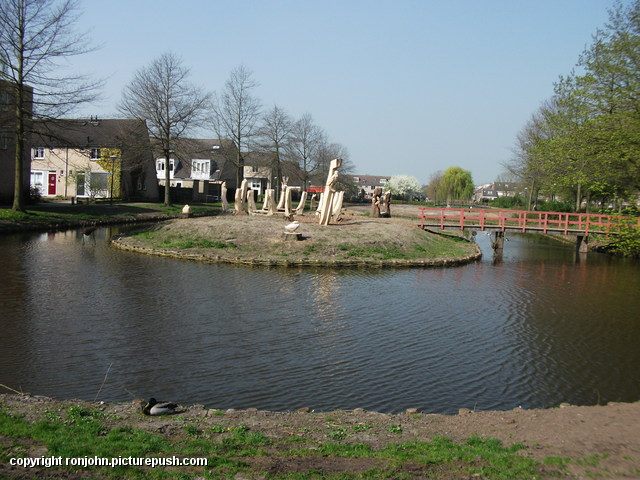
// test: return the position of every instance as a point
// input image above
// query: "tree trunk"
(18, 194)
(530, 195)
(18, 200)
(278, 173)
(240, 169)
(167, 178)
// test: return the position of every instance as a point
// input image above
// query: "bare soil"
(601, 441)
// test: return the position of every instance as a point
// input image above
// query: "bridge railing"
(524, 220)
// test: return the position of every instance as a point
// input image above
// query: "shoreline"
(568, 441)
(453, 262)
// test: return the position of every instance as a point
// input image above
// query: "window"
(5, 100)
(4, 141)
(37, 180)
(160, 163)
(38, 153)
(95, 154)
(92, 184)
(383, 181)
(98, 184)
(200, 169)
(254, 169)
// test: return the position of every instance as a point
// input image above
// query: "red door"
(52, 184)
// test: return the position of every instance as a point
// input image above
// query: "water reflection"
(534, 330)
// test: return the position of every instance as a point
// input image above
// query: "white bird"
(292, 227)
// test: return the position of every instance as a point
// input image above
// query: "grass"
(179, 241)
(486, 457)
(56, 212)
(39, 216)
(76, 431)
(433, 247)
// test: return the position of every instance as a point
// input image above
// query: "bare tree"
(303, 149)
(35, 36)
(172, 107)
(236, 112)
(434, 190)
(274, 134)
(327, 151)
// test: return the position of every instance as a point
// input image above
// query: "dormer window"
(95, 154)
(160, 163)
(200, 168)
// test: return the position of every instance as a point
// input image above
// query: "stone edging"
(118, 242)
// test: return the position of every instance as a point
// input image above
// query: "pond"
(535, 328)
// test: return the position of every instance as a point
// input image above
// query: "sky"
(409, 87)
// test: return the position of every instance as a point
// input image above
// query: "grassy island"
(259, 240)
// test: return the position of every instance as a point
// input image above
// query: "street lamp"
(113, 177)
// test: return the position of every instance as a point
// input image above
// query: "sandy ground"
(602, 441)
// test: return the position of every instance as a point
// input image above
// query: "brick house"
(94, 158)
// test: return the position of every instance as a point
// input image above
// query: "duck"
(153, 407)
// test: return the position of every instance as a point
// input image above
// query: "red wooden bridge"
(523, 221)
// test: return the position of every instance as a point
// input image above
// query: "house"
(94, 158)
(484, 193)
(491, 191)
(8, 143)
(368, 183)
(259, 171)
(199, 166)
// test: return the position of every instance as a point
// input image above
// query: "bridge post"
(498, 241)
(582, 243)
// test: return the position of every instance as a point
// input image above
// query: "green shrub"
(508, 202)
(627, 241)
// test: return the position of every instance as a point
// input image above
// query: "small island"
(356, 241)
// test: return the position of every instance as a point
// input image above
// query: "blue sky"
(408, 87)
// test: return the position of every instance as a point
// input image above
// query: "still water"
(534, 329)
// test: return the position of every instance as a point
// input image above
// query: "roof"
(83, 133)
(258, 159)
